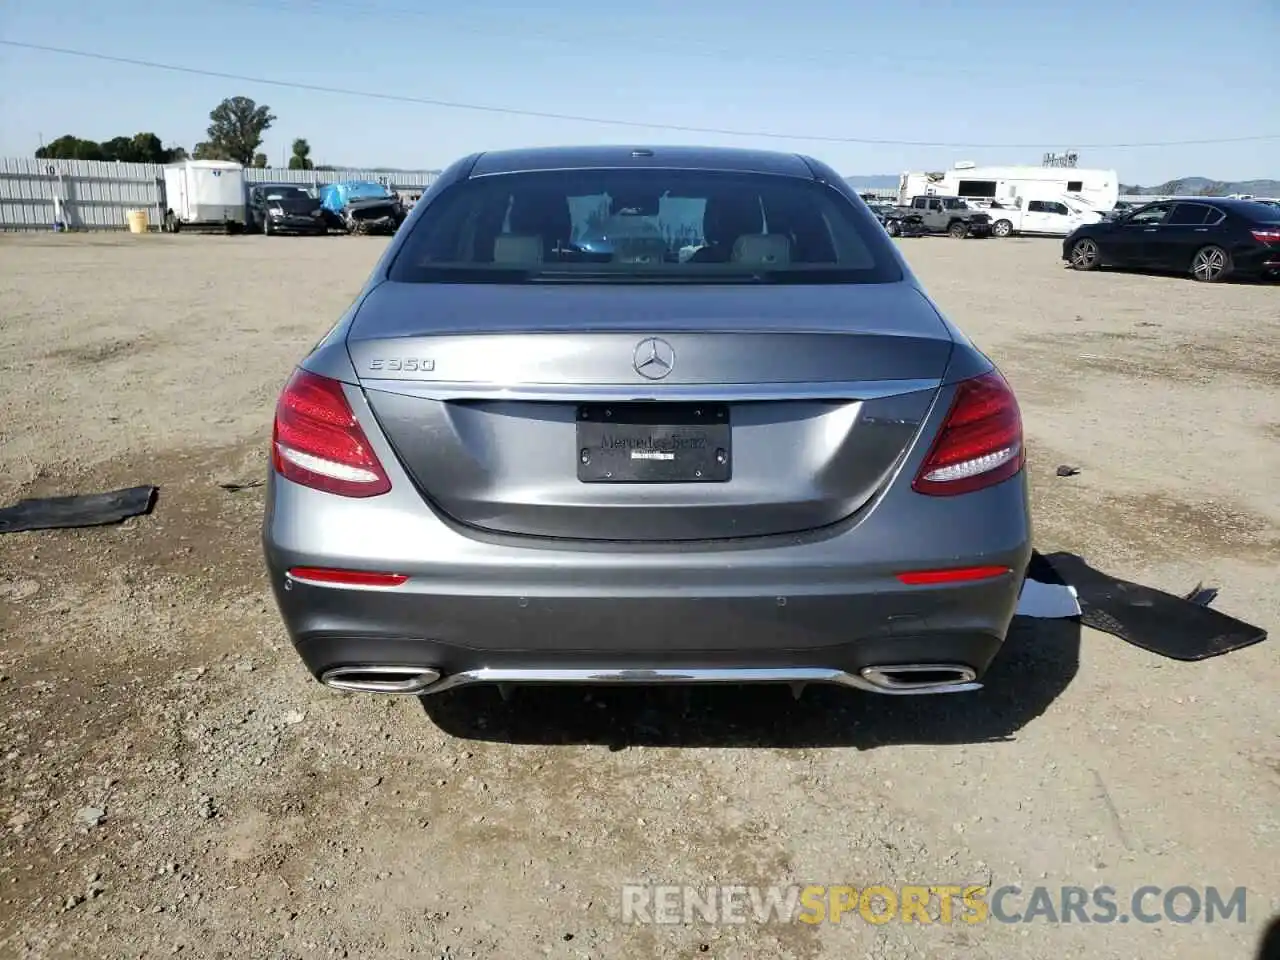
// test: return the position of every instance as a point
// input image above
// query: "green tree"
(301, 159)
(208, 151)
(260, 160)
(68, 147)
(118, 148)
(235, 130)
(143, 147)
(148, 148)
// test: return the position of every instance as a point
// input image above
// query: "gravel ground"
(174, 783)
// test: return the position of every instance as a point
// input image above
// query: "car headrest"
(640, 250)
(765, 249)
(517, 248)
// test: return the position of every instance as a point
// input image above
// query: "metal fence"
(98, 195)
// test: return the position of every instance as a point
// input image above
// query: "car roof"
(726, 159)
(1244, 208)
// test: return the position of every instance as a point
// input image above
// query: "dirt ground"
(173, 782)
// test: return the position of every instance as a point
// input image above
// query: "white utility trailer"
(204, 194)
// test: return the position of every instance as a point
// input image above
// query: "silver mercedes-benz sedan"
(660, 415)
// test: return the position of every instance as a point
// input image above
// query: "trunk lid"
(638, 413)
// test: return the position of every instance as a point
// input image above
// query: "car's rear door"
(1188, 227)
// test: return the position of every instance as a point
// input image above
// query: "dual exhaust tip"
(372, 679)
(910, 678)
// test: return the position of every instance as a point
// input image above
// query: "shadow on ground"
(1038, 661)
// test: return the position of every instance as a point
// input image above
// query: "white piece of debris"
(1047, 600)
(90, 816)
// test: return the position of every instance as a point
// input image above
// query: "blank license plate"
(654, 443)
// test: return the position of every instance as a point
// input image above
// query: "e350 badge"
(403, 365)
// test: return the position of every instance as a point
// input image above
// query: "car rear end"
(522, 460)
(979, 224)
(1256, 252)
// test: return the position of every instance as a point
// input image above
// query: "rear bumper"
(817, 607)
(1257, 261)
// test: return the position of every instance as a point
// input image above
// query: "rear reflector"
(317, 442)
(980, 443)
(954, 575)
(1266, 234)
(350, 578)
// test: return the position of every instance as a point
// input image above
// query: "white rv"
(1097, 189)
(204, 194)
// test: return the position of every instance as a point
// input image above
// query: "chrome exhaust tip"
(921, 678)
(405, 681)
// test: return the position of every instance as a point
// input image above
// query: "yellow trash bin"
(139, 222)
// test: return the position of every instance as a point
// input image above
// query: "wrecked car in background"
(361, 206)
(276, 208)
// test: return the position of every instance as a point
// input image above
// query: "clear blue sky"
(1053, 74)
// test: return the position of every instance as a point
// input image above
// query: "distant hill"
(1203, 186)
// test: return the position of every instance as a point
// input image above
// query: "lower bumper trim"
(894, 679)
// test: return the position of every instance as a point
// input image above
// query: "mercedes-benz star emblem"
(654, 358)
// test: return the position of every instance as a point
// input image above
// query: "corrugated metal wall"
(97, 195)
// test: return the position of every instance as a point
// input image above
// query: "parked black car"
(285, 208)
(1211, 238)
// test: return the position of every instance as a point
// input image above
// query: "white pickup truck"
(1055, 217)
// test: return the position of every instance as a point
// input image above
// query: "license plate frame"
(654, 442)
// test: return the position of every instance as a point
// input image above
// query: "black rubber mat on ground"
(88, 510)
(1176, 627)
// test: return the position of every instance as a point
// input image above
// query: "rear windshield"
(662, 226)
(367, 191)
(288, 193)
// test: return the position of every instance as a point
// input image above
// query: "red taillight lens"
(317, 442)
(980, 443)
(350, 578)
(1266, 234)
(951, 575)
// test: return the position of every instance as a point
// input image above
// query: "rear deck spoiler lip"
(853, 390)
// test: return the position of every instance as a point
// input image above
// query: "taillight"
(980, 443)
(347, 578)
(951, 575)
(317, 442)
(1266, 234)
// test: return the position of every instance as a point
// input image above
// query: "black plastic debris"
(87, 510)
(237, 487)
(1202, 595)
(1181, 628)
(1038, 568)
(1269, 946)
(1066, 470)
